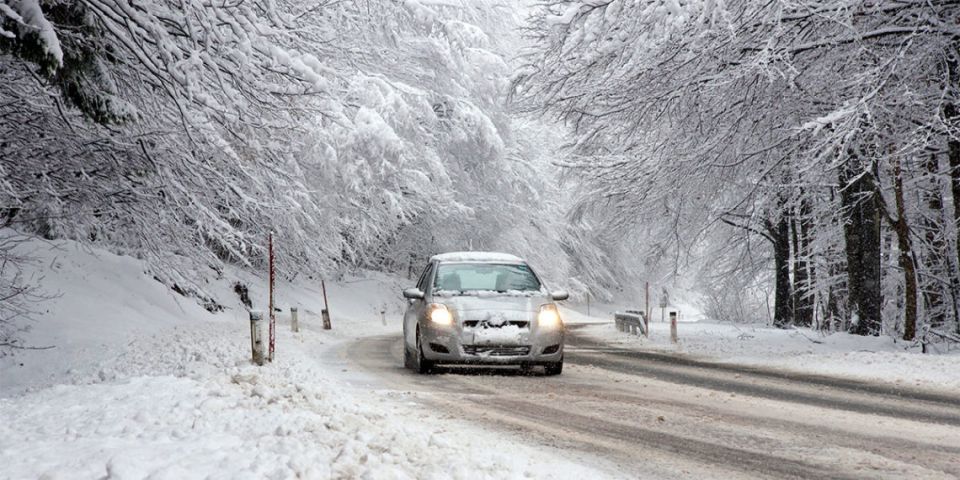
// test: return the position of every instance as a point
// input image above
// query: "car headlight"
(439, 314)
(548, 316)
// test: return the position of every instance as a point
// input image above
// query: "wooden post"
(273, 317)
(294, 322)
(673, 327)
(326, 307)
(256, 336)
(383, 316)
(588, 304)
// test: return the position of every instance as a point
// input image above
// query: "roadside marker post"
(294, 322)
(664, 301)
(326, 307)
(256, 336)
(673, 327)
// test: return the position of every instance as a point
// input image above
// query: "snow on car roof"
(476, 257)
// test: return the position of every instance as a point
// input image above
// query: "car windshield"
(466, 277)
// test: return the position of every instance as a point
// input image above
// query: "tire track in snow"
(835, 393)
(714, 441)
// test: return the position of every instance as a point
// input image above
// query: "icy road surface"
(658, 415)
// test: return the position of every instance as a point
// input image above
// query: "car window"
(422, 283)
(465, 277)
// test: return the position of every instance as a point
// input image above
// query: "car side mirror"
(413, 294)
(559, 295)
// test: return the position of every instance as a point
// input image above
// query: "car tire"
(423, 366)
(554, 368)
(407, 357)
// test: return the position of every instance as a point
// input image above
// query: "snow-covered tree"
(779, 119)
(364, 133)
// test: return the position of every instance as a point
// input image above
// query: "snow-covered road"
(660, 416)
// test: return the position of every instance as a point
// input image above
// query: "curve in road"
(652, 414)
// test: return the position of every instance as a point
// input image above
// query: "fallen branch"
(21, 347)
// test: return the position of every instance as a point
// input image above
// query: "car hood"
(493, 303)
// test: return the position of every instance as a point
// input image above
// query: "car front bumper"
(457, 344)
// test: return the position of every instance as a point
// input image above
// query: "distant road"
(654, 414)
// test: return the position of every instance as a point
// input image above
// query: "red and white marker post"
(273, 316)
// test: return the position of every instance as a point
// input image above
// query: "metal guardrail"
(631, 321)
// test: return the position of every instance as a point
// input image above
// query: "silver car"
(482, 308)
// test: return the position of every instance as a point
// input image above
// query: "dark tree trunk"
(795, 256)
(837, 292)
(782, 309)
(858, 197)
(802, 268)
(806, 238)
(934, 289)
(905, 260)
(951, 115)
(833, 309)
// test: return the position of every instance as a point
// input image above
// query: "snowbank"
(201, 410)
(99, 302)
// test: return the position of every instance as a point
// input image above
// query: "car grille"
(478, 323)
(496, 351)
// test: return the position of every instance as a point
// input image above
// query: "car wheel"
(555, 368)
(423, 365)
(407, 357)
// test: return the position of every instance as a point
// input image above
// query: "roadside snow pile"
(214, 415)
(98, 302)
(142, 383)
(802, 350)
(101, 303)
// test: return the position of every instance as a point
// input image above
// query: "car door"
(415, 308)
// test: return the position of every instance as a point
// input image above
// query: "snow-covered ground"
(801, 349)
(143, 383)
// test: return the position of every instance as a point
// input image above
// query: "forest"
(808, 147)
(796, 161)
